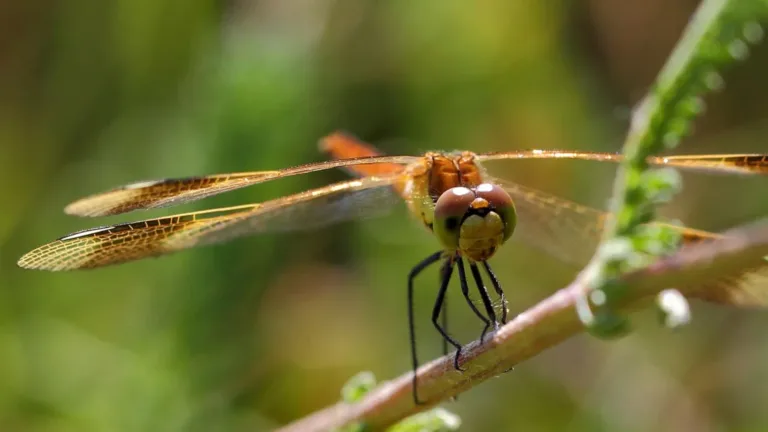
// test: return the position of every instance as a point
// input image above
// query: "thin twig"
(716, 36)
(546, 324)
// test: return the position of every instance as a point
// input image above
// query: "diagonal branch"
(546, 324)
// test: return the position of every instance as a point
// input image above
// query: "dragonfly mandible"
(471, 213)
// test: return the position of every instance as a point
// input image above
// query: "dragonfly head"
(474, 221)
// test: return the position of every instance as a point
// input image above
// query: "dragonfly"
(471, 213)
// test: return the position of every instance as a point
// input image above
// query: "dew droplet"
(671, 140)
(738, 49)
(753, 32)
(597, 297)
(714, 81)
(697, 105)
(675, 308)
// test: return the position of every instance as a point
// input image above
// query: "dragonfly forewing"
(97, 247)
(746, 163)
(167, 192)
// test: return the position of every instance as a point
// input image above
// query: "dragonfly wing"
(349, 200)
(748, 289)
(571, 232)
(558, 227)
(168, 192)
(716, 163)
(154, 237)
(161, 193)
(567, 230)
(116, 244)
(724, 163)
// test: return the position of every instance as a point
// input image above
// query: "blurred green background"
(258, 332)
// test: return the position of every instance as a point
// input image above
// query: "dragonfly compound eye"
(450, 210)
(501, 203)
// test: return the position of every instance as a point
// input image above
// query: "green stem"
(717, 35)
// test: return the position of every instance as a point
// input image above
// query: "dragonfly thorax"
(474, 221)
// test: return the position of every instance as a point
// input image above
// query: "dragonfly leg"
(499, 291)
(445, 278)
(483, 293)
(465, 291)
(435, 257)
(444, 323)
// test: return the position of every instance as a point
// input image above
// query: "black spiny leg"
(483, 293)
(465, 291)
(444, 320)
(445, 278)
(499, 291)
(435, 257)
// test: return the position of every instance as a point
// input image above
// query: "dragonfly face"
(449, 194)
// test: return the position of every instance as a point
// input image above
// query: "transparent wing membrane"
(120, 243)
(571, 233)
(168, 192)
(351, 200)
(153, 237)
(564, 229)
(733, 163)
(748, 289)
(724, 163)
(558, 227)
